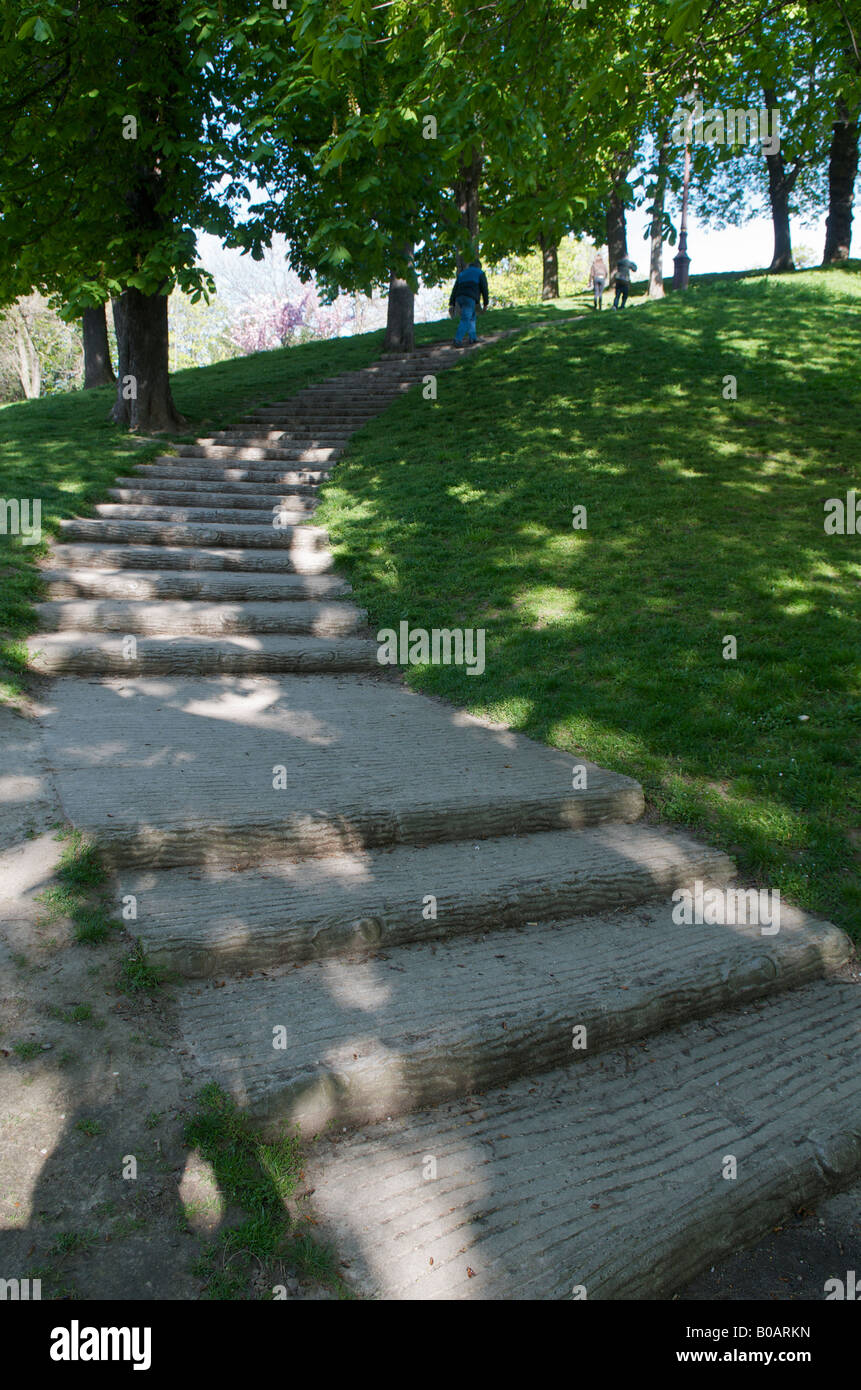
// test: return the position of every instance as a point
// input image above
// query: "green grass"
(137, 975)
(705, 519)
(79, 891)
(258, 1178)
(64, 450)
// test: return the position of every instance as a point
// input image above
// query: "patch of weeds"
(26, 1051)
(91, 1128)
(78, 892)
(154, 1119)
(80, 867)
(137, 975)
(128, 1226)
(258, 1177)
(17, 958)
(81, 1013)
(67, 1058)
(313, 1260)
(73, 1243)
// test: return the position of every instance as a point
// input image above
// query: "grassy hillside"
(65, 451)
(705, 520)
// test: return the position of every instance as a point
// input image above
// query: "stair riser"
(230, 516)
(255, 499)
(304, 541)
(297, 622)
(202, 662)
(211, 588)
(473, 1059)
(280, 939)
(227, 452)
(220, 558)
(211, 475)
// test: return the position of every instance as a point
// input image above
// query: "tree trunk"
(780, 185)
(550, 267)
(97, 354)
(29, 366)
(144, 399)
(842, 168)
(400, 313)
(656, 258)
(617, 235)
(466, 189)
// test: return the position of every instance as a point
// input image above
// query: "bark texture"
(400, 313)
(842, 169)
(781, 182)
(97, 354)
(550, 267)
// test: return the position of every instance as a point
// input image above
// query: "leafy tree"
(116, 119)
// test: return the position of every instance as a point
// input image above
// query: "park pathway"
(411, 933)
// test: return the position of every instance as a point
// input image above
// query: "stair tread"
(368, 1038)
(607, 1174)
(201, 921)
(380, 733)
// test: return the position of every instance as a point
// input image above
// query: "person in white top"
(598, 277)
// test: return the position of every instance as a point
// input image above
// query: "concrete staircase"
(391, 921)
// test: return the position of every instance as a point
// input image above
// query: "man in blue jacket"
(469, 287)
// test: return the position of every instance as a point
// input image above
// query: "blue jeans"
(468, 308)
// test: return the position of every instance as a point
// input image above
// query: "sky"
(735, 248)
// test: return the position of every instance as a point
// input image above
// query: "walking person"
(598, 277)
(623, 280)
(470, 287)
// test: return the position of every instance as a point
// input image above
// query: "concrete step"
(188, 557)
(180, 617)
(305, 541)
(234, 515)
(209, 473)
(87, 653)
(188, 584)
(318, 416)
(253, 498)
(367, 1040)
(369, 764)
(606, 1176)
(228, 452)
(291, 431)
(201, 923)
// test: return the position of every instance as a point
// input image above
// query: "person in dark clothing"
(469, 287)
(624, 266)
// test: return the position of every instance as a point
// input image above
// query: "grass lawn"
(64, 450)
(705, 520)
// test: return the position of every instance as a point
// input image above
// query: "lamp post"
(681, 260)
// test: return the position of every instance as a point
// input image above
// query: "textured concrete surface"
(200, 923)
(606, 1176)
(180, 771)
(364, 1039)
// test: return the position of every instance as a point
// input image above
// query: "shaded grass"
(705, 520)
(65, 451)
(259, 1178)
(78, 891)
